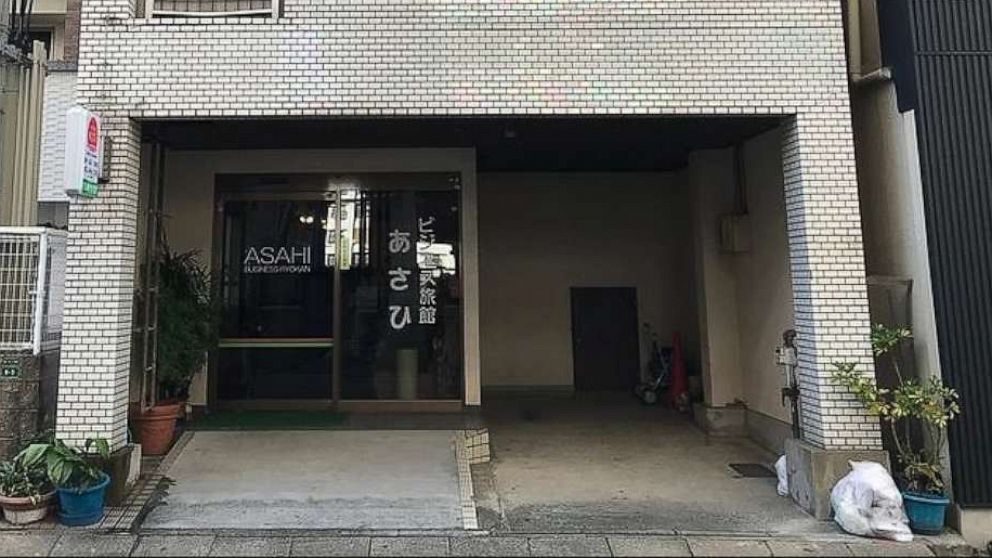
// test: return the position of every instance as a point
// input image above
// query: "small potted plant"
(186, 332)
(25, 492)
(916, 414)
(80, 483)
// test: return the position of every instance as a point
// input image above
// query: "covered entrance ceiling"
(503, 144)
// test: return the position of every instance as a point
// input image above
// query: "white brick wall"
(502, 57)
(60, 95)
(828, 276)
(96, 323)
(465, 57)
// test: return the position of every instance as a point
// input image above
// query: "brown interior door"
(605, 344)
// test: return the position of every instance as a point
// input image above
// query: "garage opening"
(583, 244)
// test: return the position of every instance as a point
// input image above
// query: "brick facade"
(828, 276)
(445, 57)
(96, 323)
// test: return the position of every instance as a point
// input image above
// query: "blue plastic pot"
(926, 512)
(82, 507)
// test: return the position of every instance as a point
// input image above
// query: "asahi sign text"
(277, 259)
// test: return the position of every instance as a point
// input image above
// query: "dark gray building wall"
(940, 52)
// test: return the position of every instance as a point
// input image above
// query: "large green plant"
(908, 407)
(187, 320)
(20, 481)
(67, 467)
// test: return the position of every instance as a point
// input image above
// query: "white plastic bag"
(867, 502)
(782, 470)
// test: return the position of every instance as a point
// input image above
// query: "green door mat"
(268, 420)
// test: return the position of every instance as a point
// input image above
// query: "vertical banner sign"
(401, 274)
(83, 153)
(427, 314)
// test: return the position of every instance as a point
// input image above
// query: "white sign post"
(83, 153)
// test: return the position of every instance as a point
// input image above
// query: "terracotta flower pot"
(21, 511)
(156, 427)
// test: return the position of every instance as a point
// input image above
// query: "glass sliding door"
(400, 294)
(277, 283)
(349, 291)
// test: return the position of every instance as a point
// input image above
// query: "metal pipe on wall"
(33, 133)
(17, 163)
(854, 37)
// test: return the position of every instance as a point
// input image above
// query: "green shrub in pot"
(68, 467)
(25, 492)
(186, 331)
(916, 414)
(187, 323)
(77, 475)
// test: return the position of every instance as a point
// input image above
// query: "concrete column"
(470, 281)
(99, 291)
(71, 41)
(828, 276)
(711, 176)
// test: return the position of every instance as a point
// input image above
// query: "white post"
(39, 291)
(828, 277)
(470, 282)
(99, 294)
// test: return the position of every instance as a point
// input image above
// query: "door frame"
(327, 186)
(637, 339)
(260, 187)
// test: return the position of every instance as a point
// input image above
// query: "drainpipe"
(880, 75)
(788, 357)
(854, 38)
(855, 55)
(18, 218)
(33, 132)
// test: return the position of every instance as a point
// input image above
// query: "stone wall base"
(813, 472)
(123, 467)
(27, 398)
(768, 432)
(721, 421)
(974, 524)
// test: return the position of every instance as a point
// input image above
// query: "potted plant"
(186, 331)
(25, 492)
(916, 414)
(80, 483)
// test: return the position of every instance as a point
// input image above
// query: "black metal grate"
(753, 470)
(211, 6)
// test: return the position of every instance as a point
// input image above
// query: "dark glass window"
(401, 303)
(277, 285)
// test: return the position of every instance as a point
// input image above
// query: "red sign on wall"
(83, 152)
(92, 134)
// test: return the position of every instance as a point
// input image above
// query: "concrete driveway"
(608, 464)
(337, 480)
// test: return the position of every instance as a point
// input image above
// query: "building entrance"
(338, 289)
